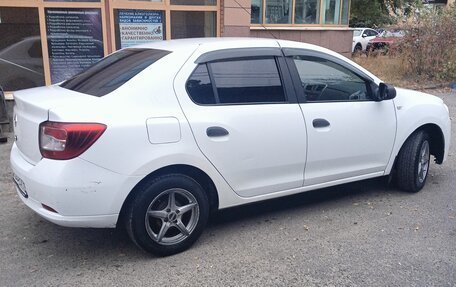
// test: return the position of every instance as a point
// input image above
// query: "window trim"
(211, 78)
(237, 53)
(289, 53)
(242, 54)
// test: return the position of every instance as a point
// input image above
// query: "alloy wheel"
(423, 163)
(172, 216)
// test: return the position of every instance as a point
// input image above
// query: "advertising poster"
(139, 27)
(75, 40)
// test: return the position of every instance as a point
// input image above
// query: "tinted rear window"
(199, 86)
(113, 71)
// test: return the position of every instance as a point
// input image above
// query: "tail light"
(68, 140)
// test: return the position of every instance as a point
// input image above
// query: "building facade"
(47, 41)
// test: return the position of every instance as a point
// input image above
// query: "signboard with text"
(139, 27)
(75, 40)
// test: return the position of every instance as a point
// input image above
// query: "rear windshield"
(113, 71)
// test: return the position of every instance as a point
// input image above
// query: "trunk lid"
(30, 110)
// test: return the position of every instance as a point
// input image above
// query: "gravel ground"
(360, 234)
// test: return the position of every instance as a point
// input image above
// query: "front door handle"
(216, 132)
(320, 123)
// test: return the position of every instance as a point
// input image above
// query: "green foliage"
(376, 13)
(367, 13)
(400, 7)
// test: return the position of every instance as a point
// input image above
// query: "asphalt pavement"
(359, 234)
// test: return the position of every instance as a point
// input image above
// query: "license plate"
(20, 185)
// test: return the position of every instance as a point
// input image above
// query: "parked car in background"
(157, 136)
(361, 37)
(386, 42)
(21, 64)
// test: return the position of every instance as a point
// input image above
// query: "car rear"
(54, 126)
(50, 177)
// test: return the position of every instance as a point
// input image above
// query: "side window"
(240, 81)
(371, 33)
(252, 80)
(325, 81)
(199, 86)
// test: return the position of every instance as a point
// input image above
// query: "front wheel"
(358, 50)
(413, 162)
(168, 214)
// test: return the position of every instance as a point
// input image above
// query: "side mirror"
(385, 92)
(364, 35)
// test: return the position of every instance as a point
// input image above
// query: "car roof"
(218, 43)
(172, 45)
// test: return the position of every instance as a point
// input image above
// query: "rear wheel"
(413, 162)
(168, 214)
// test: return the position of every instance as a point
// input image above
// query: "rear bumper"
(99, 221)
(83, 194)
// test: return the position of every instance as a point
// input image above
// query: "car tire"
(358, 50)
(168, 214)
(413, 162)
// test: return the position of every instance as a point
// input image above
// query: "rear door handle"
(216, 132)
(320, 123)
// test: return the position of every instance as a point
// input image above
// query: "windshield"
(357, 33)
(113, 71)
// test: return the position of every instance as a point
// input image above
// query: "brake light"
(68, 140)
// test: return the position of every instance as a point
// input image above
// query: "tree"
(372, 13)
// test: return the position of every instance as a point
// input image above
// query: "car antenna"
(250, 14)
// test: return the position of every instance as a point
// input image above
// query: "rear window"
(113, 71)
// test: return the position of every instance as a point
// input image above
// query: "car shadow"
(113, 245)
(301, 200)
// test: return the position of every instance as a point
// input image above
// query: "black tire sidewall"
(358, 50)
(419, 185)
(408, 161)
(142, 201)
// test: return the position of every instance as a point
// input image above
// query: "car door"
(370, 34)
(245, 119)
(349, 134)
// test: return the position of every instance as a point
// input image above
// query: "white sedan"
(157, 136)
(361, 37)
